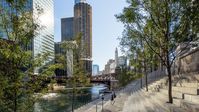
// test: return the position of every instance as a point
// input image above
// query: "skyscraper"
(78, 1)
(44, 40)
(83, 26)
(80, 24)
(67, 29)
(116, 57)
(95, 70)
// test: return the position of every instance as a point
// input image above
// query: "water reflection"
(63, 102)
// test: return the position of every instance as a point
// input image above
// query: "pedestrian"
(113, 96)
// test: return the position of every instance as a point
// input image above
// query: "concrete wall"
(188, 62)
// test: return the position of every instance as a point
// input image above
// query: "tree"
(162, 25)
(78, 76)
(141, 56)
(17, 92)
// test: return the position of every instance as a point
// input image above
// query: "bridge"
(103, 77)
(108, 79)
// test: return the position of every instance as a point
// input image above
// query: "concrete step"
(162, 96)
(175, 94)
(186, 90)
(188, 106)
(179, 95)
(143, 102)
(190, 85)
(161, 81)
(188, 77)
(177, 102)
(154, 87)
(184, 105)
(173, 108)
(134, 103)
(157, 104)
(170, 107)
(191, 98)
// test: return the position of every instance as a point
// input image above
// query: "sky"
(105, 27)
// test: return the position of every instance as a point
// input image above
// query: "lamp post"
(102, 97)
(96, 107)
(73, 100)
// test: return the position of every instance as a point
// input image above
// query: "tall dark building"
(67, 30)
(59, 51)
(83, 25)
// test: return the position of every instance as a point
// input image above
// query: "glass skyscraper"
(78, 1)
(44, 40)
(67, 29)
(95, 70)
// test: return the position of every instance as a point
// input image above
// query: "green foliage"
(158, 27)
(125, 76)
(18, 87)
(79, 76)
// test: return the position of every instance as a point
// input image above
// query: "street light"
(102, 97)
(73, 97)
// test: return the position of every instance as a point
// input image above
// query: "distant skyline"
(106, 29)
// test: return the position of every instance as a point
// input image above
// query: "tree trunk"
(15, 101)
(170, 83)
(141, 82)
(146, 77)
(15, 93)
(73, 97)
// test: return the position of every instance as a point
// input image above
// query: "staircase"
(185, 93)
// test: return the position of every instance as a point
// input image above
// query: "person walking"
(113, 96)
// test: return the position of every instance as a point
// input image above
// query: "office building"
(116, 57)
(67, 30)
(109, 66)
(83, 26)
(122, 61)
(44, 40)
(95, 70)
(59, 51)
(80, 24)
(78, 1)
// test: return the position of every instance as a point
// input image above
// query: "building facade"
(116, 57)
(108, 66)
(122, 61)
(67, 30)
(68, 54)
(80, 24)
(78, 1)
(95, 70)
(83, 26)
(43, 42)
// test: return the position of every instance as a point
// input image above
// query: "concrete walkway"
(121, 98)
(133, 99)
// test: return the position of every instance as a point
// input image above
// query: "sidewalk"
(121, 98)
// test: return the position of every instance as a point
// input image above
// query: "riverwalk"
(120, 99)
(133, 98)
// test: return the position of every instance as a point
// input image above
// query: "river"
(59, 102)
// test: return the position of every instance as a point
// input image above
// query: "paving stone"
(133, 99)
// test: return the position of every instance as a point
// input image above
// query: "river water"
(62, 102)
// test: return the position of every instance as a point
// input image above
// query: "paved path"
(133, 99)
(122, 96)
